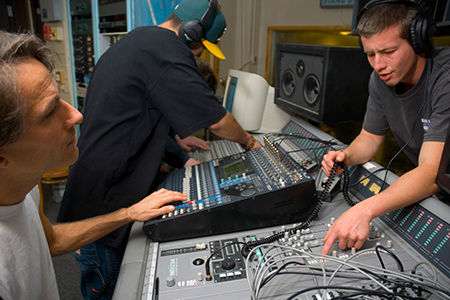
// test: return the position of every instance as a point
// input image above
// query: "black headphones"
(422, 27)
(191, 31)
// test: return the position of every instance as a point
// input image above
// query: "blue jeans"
(96, 261)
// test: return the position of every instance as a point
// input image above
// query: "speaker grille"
(326, 84)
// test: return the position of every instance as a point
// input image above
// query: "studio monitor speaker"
(325, 84)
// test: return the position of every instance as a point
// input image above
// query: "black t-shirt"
(423, 112)
(142, 86)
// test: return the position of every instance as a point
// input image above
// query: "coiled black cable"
(326, 190)
(110, 279)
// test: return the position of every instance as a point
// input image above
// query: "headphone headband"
(422, 27)
(208, 13)
(425, 9)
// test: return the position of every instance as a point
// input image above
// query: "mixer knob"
(228, 264)
(306, 231)
(170, 281)
(377, 233)
(306, 246)
(334, 253)
(286, 234)
(332, 220)
(248, 193)
(389, 244)
(200, 276)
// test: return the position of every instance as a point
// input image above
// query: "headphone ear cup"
(417, 34)
(191, 32)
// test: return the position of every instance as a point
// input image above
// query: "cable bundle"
(279, 261)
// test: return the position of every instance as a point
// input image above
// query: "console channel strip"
(259, 188)
(219, 149)
(305, 143)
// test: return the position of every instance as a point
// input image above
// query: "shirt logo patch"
(426, 124)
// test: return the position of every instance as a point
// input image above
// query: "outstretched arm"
(229, 129)
(352, 228)
(67, 237)
(191, 141)
(361, 150)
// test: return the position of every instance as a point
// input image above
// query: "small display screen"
(230, 94)
(234, 168)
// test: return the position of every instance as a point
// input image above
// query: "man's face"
(49, 140)
(393, 58)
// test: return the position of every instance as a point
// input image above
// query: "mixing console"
(291, 267)
(303, 142)
(258, 188)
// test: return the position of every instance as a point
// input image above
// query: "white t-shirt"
(26, 267)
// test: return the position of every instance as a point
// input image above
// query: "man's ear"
(3, 162)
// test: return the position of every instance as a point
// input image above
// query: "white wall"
(243, 15)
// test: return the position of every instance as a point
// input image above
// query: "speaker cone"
(288, 82)
(300, 68)
(311, 89)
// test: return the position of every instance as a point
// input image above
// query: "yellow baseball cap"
(213, 48)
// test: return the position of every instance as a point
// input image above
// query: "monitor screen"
(231, 92)
(443, 177)
(245, 98)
